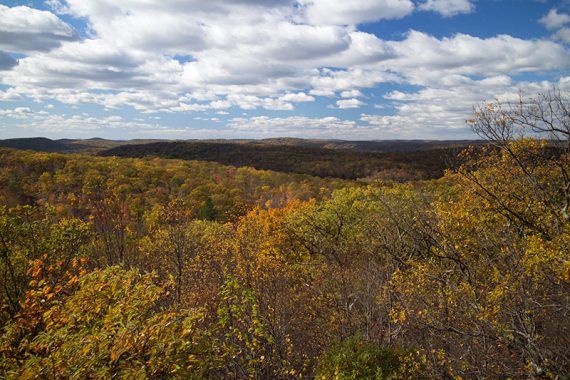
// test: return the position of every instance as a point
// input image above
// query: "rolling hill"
(314, 160)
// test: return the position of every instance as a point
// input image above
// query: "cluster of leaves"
(355, 359)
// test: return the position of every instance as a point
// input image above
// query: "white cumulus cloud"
(554, 20)
(448, 8)
(349, 103)
(25, 30)
(299, 97)
(352, 12)
(351, 94)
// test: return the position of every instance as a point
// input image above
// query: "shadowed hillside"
(322, 162)
(391, 160)
(88, 146)
(39, 144)
(383, 146)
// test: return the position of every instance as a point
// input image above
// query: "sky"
(327, 69)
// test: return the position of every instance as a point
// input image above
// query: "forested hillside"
(162, 268)
(318, 161)
(40, 144)
(380, 146)
(77, 183)
(92, 145)
(389, 160)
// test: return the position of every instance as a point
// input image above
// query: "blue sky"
(352, 69)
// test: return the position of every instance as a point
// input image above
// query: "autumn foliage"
(154, 268)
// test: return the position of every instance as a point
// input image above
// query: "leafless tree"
(544, 116)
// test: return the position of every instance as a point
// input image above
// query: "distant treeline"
(322, 162)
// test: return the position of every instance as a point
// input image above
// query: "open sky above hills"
(352, 69)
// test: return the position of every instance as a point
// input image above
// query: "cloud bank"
(182, 57)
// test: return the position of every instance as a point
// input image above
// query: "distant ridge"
(304, 159)
(38, 144)
(88, 146)
(385, 146)
(95, 144)
(398, 160)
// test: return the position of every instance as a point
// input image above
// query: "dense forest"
(390, 160)
(167, 268)
(322, 162)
